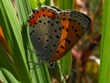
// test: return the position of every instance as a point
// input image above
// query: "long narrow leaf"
(11, 28)
(105, 45)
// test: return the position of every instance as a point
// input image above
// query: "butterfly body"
(54, 32)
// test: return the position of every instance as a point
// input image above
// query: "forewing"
(45, 31)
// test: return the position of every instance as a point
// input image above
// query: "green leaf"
(105, 45)
(11, 29)
(6, 64)
(65, 4)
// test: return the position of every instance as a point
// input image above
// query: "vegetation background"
(89, 58)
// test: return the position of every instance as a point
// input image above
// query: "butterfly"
(54, 32)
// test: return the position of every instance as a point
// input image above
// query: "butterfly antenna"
(68, 68)
(36, 64)
(30, 49)
(62, 72)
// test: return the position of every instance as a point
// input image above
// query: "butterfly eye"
(52, 64)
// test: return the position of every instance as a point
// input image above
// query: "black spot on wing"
(57, 36)
(57, 51)
(67, 40)
(62, 47)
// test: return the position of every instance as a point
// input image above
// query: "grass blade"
(11, 28)
(105, 45)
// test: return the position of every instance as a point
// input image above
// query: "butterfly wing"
(45, 31)
(74, 24)
(56, 8)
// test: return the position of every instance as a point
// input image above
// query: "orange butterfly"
(54, 32)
